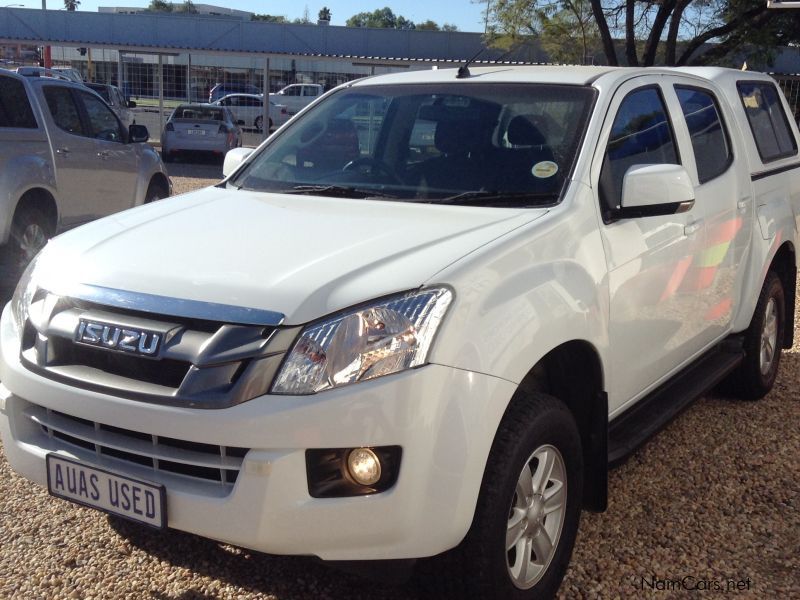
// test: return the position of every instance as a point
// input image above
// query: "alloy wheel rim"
(32, 240)
(769, 337)
(536, 516)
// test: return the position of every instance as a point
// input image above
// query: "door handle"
(693, 227)
(62, 151)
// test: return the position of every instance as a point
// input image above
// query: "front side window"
(292, 91)
(15, 108)
(63, 109)
(767, 120)
(500, 145)
(102, 120)
(641, 135)
(710, 141)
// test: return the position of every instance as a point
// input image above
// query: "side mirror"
(138, 134)
(233, 159)
(652, 190)
(131, 104)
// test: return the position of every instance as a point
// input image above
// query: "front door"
(653, 326)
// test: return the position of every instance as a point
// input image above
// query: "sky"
(463, 13)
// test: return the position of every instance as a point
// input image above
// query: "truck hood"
(301, 256)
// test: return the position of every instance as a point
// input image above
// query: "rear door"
(723, 198)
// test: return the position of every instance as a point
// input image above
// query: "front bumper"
(443, 418)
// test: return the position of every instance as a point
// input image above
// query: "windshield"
(499, 144)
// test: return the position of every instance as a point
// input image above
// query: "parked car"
(249, 109)
(352, 350)
(66, 72)
(223, 89)
(297, 96)
(65, 159)
(115, 99)
(200, 128)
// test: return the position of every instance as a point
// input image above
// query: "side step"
(636, 425)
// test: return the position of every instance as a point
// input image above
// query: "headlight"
(23, 294)
(389, 336)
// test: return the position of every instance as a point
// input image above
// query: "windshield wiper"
(337, 190)
(482, 195)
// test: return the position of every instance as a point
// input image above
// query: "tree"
(381, 18)
(270, 18)
(324, 14)
(673, 32)
(428, 26)
(449, 27)
(160, 6)
(187, 7)
(71, 5)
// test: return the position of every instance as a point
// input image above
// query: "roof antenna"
(463, 70)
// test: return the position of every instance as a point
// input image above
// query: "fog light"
(364, 466)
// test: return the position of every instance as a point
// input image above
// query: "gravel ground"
(715, 497)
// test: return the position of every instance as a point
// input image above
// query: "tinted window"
(63, 109)
(767, 120)
(251, 101)
(104, 123)
(641, 135)
(712, 150)
(198, 113)
(292, 91)
(15, 109)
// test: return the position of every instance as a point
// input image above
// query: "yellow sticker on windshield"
(544, 169)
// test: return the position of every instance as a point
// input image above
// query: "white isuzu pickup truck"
(420, 321)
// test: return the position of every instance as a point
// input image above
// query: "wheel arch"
(573, 373)
(784, 265)
(159, 179)
(42, 199)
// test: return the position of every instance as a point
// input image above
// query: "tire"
(755, 376)
(258, 123)
(167, 157)
(155, 191)
(30, 231)
(486, 565)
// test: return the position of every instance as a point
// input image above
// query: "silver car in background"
(116, 100)
(200, 128)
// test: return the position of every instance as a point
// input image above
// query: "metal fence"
(790, 84)
(157, 83)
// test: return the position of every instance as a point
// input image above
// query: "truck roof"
(552, 74)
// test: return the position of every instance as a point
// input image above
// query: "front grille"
(199, 363)
(195, 460)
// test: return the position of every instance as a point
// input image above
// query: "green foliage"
(381, 18)
(270, 18)
(187, 7)
(643, 32)
(160, 6)
(71, 5)
(449, 27)
(324, 14)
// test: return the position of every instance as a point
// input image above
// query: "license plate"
(132, 499)
(196, 132)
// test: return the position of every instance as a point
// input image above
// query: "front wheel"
(755, 376)
(528, 510)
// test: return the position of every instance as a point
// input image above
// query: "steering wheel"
(373, 165)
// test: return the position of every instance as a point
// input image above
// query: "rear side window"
(102, 120)
(641, 135)
(767, 120)
(63, 109)
(710, 141)
(15, 109)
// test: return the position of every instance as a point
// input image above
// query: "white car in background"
(200, 128)
(65, 72)
(249, 109)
